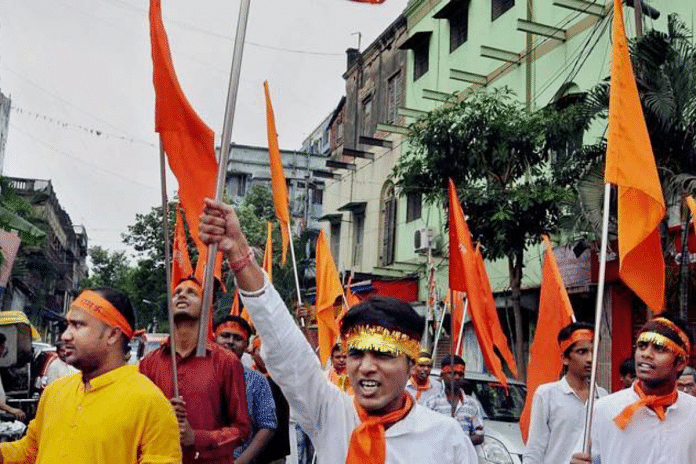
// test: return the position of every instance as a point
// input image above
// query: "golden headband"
(97, 306)
(674, 328)
(660, 340)
(459, 368)
(424, 360)
(576, 336)
(232, 326)
(375, 338)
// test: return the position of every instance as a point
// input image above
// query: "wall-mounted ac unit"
(424, 239)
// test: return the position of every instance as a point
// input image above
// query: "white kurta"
(646, 439)
(434, 390)
(328, 415)
(556, 423)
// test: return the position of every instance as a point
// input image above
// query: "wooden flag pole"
(168, 270)
(294, 267)
(589, 407)
(226, 138)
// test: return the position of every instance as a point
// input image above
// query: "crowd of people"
(376, 403)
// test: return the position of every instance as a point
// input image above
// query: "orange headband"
(578, 335)
(675, 328)
(234, 326)
(97, 306)
(194, 285)
(459, 368)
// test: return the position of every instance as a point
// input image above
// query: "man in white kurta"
(330, 417)
(419, 385)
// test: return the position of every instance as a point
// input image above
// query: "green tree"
(109, 269)
(512, 167)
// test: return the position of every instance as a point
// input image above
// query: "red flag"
(181, 262)
(268, 252)
(186, 139)
(279, 187)
(464, 276)
(328, 289)
(631, 166)
(555, 312)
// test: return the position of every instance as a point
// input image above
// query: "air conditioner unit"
(423, 239)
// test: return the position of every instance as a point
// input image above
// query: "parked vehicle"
(502, 409)
(143, 344)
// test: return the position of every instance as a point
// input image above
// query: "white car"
(502, 442)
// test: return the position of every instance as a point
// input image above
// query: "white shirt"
(467, 413)
(645, 439)
(328, 415)
(434, 390)
(58, 369)
(556, 423)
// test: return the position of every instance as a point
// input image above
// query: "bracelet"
(243, 262)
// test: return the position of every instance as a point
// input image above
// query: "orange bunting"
(630, 165)
(328, 289)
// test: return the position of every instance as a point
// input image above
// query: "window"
(420, 59)
(413, 206)
(367, 116)
(393, 97)
(317, 196)
(237, 185)
(498, 7)
(358, 236)
(335, 239)
(459, 25)
(389, 202)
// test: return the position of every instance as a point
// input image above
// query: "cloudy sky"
(80, 78)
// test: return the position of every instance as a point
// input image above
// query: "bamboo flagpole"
(222, 167)
(168, 270)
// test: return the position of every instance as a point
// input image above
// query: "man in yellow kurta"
(108, 413)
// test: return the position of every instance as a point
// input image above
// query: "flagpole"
(439, 329)
(589, 411)
(168, 270)
(461, 328)
(226, 138)
(294, 267)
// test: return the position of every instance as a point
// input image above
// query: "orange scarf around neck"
(420, 388)
(341, 381)
(657, 403)
(367, 442)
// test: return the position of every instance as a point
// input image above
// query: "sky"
(79, 74)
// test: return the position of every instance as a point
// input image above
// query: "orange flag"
(464, 277)
(492, 320)
(328, 289)
(187, 140)
(631, 166)
(234, 311)
(268, 252)
(692, 206)
(279, 187)
(181, 262)
(555, 312)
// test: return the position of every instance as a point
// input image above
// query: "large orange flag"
(234, 310)
(187, 140)
(279, 187)
(268, 252)
(631, 166)
(555, 312)
(181, 262)
(464, 277)
(492, 320)
(328, 289)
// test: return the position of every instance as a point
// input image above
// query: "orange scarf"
(654, 402)
(367, 442)
(341, 381)
(420, 388)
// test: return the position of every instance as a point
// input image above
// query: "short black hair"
(384, 311)
(425, 354)
(628, 366)
(335, 348)
(452, 359)
(568, 330)
(119, 299)
(245, 325)
(192, 278)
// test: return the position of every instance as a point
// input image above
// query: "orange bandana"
(97, 306)
(578, 335)
(367, 442)
(420, 388)
(233, 326)
(460, 368)
(194, 285)
(654, 402)
(341, 381)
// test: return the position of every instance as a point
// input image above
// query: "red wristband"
(241, 263)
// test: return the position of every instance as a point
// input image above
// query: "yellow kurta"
(121, 418)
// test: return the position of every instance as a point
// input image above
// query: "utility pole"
(638, 15)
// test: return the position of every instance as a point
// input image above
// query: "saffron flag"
(630, 165)
(181, 262)
(186, 139)
(234, 311)
(328, 289)
(555, 312)
(268, 252)
(464, 277)
(278, 185)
